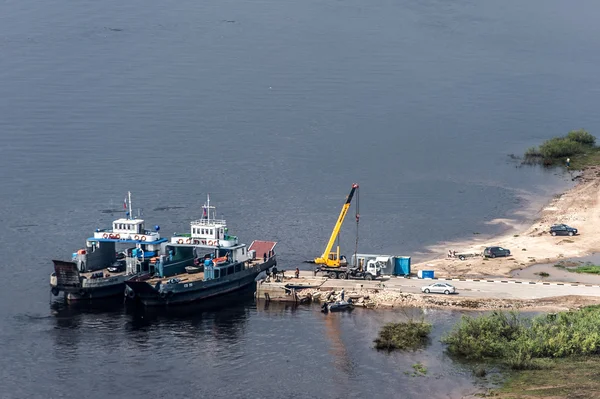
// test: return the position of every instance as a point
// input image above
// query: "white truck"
(362, 267)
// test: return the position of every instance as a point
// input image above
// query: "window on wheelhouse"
(230, 270)
(217, 274)
(238, 267)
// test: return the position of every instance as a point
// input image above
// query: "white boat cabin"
(207, 231)
(128, 229)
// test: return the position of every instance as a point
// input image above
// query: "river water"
(274, 108)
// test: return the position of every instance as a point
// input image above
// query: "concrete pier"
(392, 291)
(291, 289)
(276, 290)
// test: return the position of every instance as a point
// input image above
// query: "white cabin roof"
(129, 221)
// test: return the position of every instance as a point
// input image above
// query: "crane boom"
(332, 259)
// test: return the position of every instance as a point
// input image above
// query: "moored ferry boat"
(221, 265)
(111, 256)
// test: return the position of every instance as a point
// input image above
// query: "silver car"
(440, 288)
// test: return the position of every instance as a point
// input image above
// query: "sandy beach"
(533, 244)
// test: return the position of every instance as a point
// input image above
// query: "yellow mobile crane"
(333, 259)
(336, 266)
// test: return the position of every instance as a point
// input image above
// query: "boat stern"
(65, 277)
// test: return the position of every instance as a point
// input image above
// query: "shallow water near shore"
(282, 347)
(561, 275)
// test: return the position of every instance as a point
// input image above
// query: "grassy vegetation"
(551, 356)
(409, 335)
(419, 369)
(523, 343)
(568, 378)
(589, 269)
(579, 145)
(543, 274)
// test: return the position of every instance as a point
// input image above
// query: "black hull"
(109, 291)
(66, 278)
(183, 294)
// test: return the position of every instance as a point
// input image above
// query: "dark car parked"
(118, 266)
(492, 252)
(562, 230)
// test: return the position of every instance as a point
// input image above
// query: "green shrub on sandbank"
(409, 335)
(576, 144)
(526, 343)
(588, 269)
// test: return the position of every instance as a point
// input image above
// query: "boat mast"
(130, 208)
(208, 206)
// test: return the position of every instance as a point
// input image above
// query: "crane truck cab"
(365, 269)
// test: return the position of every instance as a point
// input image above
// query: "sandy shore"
(578, 207)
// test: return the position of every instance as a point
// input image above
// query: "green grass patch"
(409, 335)
(587, 269)
(567, 378)
(523, 343)
(419, 369)
(578, 145)
(591, 269)
(543, 274)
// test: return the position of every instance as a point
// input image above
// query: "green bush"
(581, 136)
(523, 343)
(405, 335)
(576, 142)
(560, 147)
(484, 337)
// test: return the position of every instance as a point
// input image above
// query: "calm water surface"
(274, 108)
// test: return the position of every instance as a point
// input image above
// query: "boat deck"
(193, 277)
(105, 274)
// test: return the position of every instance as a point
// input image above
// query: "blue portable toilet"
(402, 266)
(428, 274)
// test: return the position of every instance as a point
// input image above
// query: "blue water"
(274, 108)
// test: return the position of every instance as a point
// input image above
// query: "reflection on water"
(270, 345)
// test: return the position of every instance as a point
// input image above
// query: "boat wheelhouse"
(207, 231)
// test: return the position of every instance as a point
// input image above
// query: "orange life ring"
(105, 235)
(180, 241)
(117, 236)
(111, 236)
(136, 237)
(188, 240)
(196, 241)
(143, 238)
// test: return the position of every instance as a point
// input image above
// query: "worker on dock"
(342, 293)
(297, 274)
(274, 273)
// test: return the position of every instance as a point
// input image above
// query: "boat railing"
(208, 222)
(182, 234)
